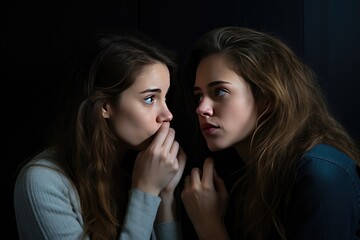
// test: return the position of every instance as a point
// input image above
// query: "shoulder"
(46, 204)
(325, 198)
(41, 176)
(326, 167)
(326, 160)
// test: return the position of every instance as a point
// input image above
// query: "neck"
(243, 149)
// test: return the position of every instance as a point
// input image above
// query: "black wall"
(41, 36)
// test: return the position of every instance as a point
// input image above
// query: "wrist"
(167, 196)
(167, 209)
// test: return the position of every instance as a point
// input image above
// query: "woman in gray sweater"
(113, 167)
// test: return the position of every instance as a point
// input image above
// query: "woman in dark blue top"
(280, 165)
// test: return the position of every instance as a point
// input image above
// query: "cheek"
(241, 117)
(134, 128)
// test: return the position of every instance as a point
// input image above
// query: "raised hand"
(157, 165)
(181, 157)
(167, 209)
(205, 198)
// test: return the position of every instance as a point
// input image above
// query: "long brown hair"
(87, 146)
(296, 119)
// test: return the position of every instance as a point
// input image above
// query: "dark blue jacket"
(325, 202)
(325, 199)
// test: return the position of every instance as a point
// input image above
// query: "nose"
(205, 108)
(165, 115)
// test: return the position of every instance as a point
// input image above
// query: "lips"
(208, 127)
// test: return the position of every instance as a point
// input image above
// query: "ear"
(106, 110)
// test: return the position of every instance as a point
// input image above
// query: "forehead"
(215, 67)
(154, 75)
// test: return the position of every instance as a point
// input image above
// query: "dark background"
(41, 36)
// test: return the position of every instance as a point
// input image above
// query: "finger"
(161, 135)
(187, 180)
(181, 156)
(181, 161)
(174, 149)
(208, 171)
(168, 142)
(181, 153)
(195, 175)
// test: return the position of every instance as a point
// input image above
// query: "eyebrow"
(151, 90)
(212, 84)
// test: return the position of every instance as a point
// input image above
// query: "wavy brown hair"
(296, 119)
(88, 147)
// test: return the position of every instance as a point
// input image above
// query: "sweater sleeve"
(45, 205)
(140, 215)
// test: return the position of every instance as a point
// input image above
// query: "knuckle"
(164, 156)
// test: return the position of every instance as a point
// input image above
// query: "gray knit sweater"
(47, 206)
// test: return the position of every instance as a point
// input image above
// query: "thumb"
(220, 186)
(182, 160)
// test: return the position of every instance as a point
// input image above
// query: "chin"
(215, 148)
(218, 144)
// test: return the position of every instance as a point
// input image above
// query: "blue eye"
(149, 100)
(220, 92)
